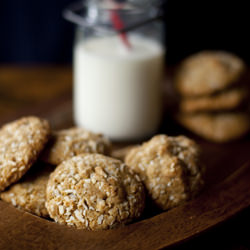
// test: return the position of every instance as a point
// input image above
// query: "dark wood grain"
(226, 192)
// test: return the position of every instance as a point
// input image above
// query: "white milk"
(117, 91)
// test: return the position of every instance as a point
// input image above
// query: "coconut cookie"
(226, 100)
(93, 191)
(221, 127)
(207, 72)
(67, 143)
(169, 167)
(29, 193)
(21, 141)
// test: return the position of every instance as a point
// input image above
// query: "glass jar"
(117, 80)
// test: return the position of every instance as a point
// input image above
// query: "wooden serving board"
(225, 194)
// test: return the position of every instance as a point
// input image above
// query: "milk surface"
(117, 91)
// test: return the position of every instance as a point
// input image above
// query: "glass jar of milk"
(117, 85)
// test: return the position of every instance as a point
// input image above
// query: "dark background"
(35, 32)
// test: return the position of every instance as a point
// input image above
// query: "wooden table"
(35, 90)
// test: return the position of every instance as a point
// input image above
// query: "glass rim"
(132, 8)
(74, 12)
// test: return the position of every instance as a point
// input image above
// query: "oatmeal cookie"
(228, 99)
(169, 167)
(95, 192)
(29, 193)
(67, 143)
(220, 127)
(207, 72)
(21, 141)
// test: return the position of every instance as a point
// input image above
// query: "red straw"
(118, 24)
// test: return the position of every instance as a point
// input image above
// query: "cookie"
(169, 168)
(21, 141)
(207, 72)
(67, 143)
(122, 152)
(95, 192)
(226, 100)
(29, 193)
(220, 127)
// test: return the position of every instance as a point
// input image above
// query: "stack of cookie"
(213, 95)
